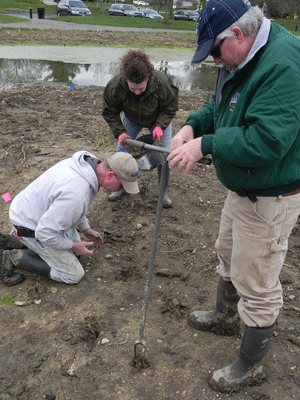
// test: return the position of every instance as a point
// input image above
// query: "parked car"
(149, 13)
(126, 10)
(72, 7)
(186, 15)
(140, 3)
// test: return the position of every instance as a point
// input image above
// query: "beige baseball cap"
(126, 169)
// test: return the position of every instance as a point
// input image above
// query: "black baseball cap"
(214, 18)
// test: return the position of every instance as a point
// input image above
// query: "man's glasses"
(216, 51)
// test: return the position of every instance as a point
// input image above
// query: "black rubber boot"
(224, 318)
(8, 276)
(26, 260)
(167, 202)
(248, 369)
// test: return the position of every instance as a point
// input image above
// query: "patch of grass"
(48, 142)
(24, 5)
(5, 19)
(8, 299)
(290, 24)
(101, 140)
(40, 288)
(97, 18)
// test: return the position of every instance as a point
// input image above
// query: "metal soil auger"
(153, 157)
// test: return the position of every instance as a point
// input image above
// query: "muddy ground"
(102, 38)
(61, 342)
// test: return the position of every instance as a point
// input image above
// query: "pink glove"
(157, 133)
(122, 138)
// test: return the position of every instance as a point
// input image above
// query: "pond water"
(95, 66)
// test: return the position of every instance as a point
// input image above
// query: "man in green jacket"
(140, 97)
(252, 129)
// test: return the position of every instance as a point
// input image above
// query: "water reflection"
(190, 77)
(185, 75)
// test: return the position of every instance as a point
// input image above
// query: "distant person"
(48, 212)
(140, 97)
(251, 127)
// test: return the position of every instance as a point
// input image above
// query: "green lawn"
(24, 5)
(289, 24)
(108, 20)
(98, 17)
(4, 19)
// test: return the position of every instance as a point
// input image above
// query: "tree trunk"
(166, 11)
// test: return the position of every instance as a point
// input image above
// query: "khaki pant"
(64, 265)
(252, 246)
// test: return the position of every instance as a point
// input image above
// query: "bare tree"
(171, 9)
(279, 8)
(159, 4)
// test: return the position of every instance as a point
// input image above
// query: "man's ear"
(238, 33)
(109, 175)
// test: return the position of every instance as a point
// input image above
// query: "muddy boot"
(8, 275)
(25, 260)
(248, 369)
(224, 318)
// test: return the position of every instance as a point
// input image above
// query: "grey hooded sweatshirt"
(57, 201)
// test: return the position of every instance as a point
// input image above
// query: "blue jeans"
(133, 129)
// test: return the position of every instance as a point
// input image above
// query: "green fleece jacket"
(254, 134)
(156, 106)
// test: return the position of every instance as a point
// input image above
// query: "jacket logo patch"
(234, 100)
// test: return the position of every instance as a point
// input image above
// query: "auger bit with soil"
(139, 360)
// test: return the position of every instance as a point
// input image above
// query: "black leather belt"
(24, 232)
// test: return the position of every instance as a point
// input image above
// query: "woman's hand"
(157, 133)
(122, 139)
